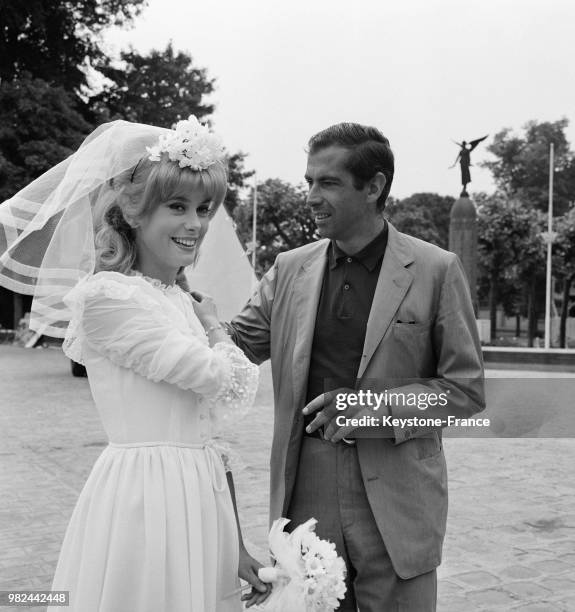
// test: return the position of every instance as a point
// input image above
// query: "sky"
(425, 72)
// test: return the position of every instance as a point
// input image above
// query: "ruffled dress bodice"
(151, 372)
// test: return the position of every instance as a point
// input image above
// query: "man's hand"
(326, 403)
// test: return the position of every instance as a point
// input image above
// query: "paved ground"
(511, 531)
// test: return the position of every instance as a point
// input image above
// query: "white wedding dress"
(154, 528)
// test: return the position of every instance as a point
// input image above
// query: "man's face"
(340, 211)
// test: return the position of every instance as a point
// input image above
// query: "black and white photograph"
(287, 306)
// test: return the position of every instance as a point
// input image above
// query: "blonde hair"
(135, 194)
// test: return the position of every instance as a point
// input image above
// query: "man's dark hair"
(369, 153)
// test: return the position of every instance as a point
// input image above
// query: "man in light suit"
(366, 308)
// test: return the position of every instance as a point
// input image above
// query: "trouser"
(330, 489)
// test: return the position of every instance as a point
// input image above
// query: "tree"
(159, 88)
(57, 41)
(46, 52)
(511, 254)
(530, 269)
(284, 221)
(423, 215)
(237, 176)
(39, 127)
(521, 167)
(564, 265)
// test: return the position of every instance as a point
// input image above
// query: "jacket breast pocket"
(412, 336)
(413, 348)
(411, 328)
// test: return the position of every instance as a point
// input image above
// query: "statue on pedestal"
(464, 159)
(463, 222)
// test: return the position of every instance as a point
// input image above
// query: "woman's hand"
(205, 308)
(248, 570)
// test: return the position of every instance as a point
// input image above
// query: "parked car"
(78, 369)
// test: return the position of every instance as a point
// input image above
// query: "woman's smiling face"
(169, 237)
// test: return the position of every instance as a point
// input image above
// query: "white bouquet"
(308, 575)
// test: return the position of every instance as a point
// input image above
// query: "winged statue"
(464, 159)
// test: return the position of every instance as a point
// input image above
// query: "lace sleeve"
(237, 392)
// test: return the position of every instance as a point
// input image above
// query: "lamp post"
(549, 237)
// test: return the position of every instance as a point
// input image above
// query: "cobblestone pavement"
(510, 543)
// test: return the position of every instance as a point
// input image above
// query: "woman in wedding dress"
(155, 527)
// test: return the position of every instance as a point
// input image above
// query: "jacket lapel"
(307, 290)
(392, 285)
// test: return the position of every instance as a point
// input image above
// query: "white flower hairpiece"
(191, 144)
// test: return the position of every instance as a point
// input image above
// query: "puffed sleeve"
(127, 325)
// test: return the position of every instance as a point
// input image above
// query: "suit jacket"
(421, 337)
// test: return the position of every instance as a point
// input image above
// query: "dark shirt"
(345, 302)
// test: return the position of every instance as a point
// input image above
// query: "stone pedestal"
(463, 240)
